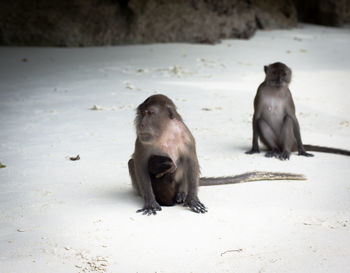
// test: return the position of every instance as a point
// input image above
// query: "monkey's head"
(278, 74)
(152, 117)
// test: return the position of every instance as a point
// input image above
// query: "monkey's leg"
(182, 192)
(131, 166)
(180, 197)
(268, 137)
(181, 183)
(286, 138)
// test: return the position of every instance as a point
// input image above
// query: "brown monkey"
(164, 168)
(274, 119)
(161, 170)
(161, 131)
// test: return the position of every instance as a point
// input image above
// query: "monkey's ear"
(265, 68)
(171, 111)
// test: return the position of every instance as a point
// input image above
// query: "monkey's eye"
(148, 112)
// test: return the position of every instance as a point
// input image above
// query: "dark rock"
(62, 23)
(324, 12)
(112, 22)
(271, 14)
(191, 21)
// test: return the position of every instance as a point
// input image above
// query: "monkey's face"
(278, 75)
(150, 123)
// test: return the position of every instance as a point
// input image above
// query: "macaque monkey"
(274, 119)
(164, 167)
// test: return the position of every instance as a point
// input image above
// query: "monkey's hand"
(253, 151)
(304, 153)
(150, 209)
(195, 205)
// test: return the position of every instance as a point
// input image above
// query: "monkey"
(164, 167)
(161, 170)
(160, 130)
(274, 119)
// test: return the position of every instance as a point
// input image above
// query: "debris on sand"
(74, 158)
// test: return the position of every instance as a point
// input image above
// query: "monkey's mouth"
(145, 136)
(278, 83)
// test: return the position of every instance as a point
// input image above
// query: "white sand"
(57, 215)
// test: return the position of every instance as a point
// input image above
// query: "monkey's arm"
(249, 177)
(290, 111)
(255, 123)
(192, 178)
(296, 130)
(255, 144)
(150, 204)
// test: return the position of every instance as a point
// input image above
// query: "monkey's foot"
(195, 205)
(305, 154)
(252, 151)
(180, 198)
(284, 155)
(150, 209)
(273, 153)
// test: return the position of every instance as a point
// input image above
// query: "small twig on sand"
(231, 250)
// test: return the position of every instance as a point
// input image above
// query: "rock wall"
(62, 23)
(108, 22)
(113, 22)
(190, 21)
(271, 14)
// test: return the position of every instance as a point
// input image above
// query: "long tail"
(249, 177)
(323, 149)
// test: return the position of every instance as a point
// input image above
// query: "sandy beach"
(59, 215)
